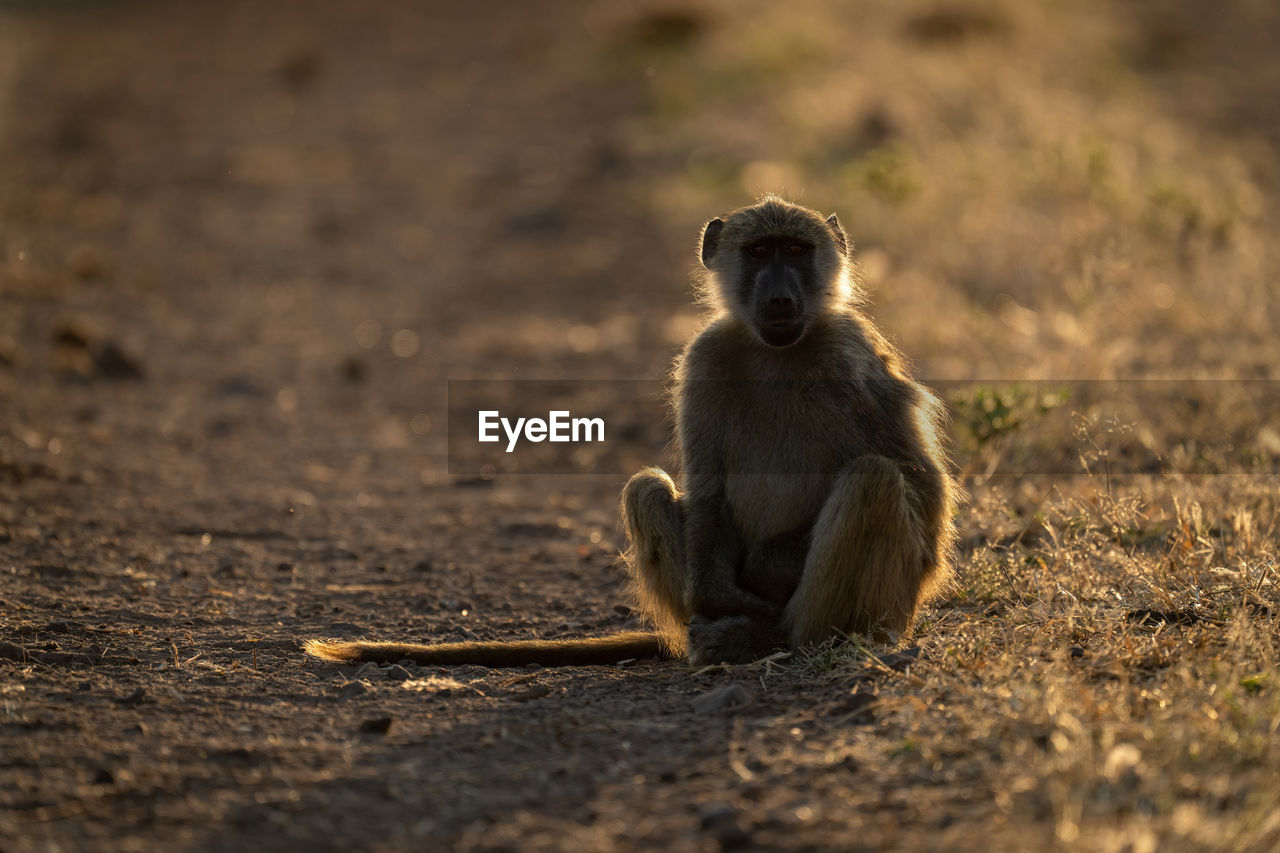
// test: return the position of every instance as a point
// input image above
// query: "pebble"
(88, 261)
(722, 698)
(899, 661)
(399, 673)
(721, 822)
(376, 725)
(10, 352)
(110, 361)
(355, 688)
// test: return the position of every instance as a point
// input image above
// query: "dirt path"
(246, 207)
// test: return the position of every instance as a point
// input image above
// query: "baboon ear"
(710, 240)
(837, 234)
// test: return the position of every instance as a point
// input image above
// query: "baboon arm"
(712, 549)
(715, 553)
(591, 650)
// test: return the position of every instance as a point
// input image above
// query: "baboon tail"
(582, 652)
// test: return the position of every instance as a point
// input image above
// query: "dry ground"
(244, 245)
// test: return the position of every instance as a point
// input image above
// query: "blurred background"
(327, 209)
(309, 216)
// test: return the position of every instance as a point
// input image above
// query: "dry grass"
(1110, 681)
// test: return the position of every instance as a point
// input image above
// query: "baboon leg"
(867, 561)
(654, 521)
(772, 569)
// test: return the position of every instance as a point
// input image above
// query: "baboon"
(815, 497)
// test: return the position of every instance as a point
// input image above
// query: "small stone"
(353, 369)
(300, 69)
(88, 261)
(900, 661)
(399, 673)
(1076, 652)
(112, 362)
(721, 822)
(10, 651)
(239, 386)
(10, 352)
(368, 670)
(137, 697)
(72, 335)
(376, 725)
(722, 699)
(715, 813)
(104, 777)
(355, 688)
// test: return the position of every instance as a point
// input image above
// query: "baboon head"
(777, 266)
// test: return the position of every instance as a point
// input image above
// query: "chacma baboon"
(815, 498)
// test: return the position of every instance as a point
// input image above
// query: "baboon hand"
(732, 600)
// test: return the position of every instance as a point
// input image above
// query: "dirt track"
(224, 199)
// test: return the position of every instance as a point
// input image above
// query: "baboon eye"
(759, 250)
(795, 249)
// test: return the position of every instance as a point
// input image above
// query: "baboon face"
(777, 266)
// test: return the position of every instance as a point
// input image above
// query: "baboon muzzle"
(779, 317)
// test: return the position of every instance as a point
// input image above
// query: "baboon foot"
(731, 639)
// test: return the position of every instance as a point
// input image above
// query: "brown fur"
(816, 498)
(593, 650)
(816, 493)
